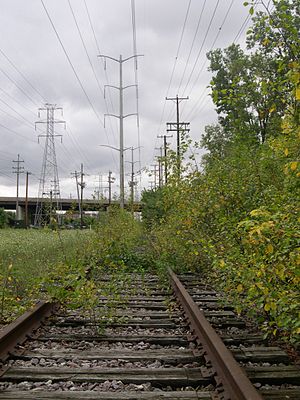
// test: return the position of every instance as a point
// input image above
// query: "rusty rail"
(235, 383)
(17, 332)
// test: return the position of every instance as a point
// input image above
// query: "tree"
(215, 141)
(275, 34)
(152, 210)
(245, 93)
(3, 218)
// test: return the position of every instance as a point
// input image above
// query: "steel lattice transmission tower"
(49, 193)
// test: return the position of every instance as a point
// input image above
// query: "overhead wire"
(89, 59)
(22, 75)
(19, 87)
(175, 63)
(16, 101)
(172, 75)
(201, 47)
(99, 52)
(71, 65)
(76, 145)
(133, 22)
(16, 133)
(192, 45)
(244, 24)
(198, 102)
(202, 99)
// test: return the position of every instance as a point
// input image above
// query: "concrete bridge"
(9, 203)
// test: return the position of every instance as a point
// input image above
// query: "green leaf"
(251, 10)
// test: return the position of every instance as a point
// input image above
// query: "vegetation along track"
(145, 349)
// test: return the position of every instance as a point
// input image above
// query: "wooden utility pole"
(18, 170)
(177, 127)
(82, 186)
(110, 181)
(26, 200)
(165, 154)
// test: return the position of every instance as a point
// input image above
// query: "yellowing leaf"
(267, 307)
(238, 309)
(265, 42)
(240, 288)
(294, 165)
(286, 151)
(298, 93)
(269, 249)
(222, 263)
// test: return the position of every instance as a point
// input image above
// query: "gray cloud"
(28, 39)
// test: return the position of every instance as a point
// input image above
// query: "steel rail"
(18, 331)
(235, 383)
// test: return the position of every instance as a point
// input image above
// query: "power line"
(99, 52)
(244, 25)
(77, 146)
(16, 101)
(174, 65)
(71, 65)
(192, 45)
(91, 65)
(202, 44)
(11, 108)
(133, 21)
(16, 133)
(21, 73)
(205, 61)
(19, 87)
(202, 100)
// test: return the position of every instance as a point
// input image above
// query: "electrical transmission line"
(202, 96)
(49, 191)
(201, 47)
(19, 87)
(174, 65)
(22, 75)
(192, 45)
(91, 65)
(133, 21)
(72, 66)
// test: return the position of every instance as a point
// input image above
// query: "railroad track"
(149, 349)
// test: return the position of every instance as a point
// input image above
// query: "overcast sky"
(34, 69)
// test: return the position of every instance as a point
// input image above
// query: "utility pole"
(110, 182)
(99, 187)
(165, 154)
(121, 116)
(154, 171)
(26, 199)
(49, 182)
(82, 186)
(18, 170)
(177, 126)
(160, 166)
(76, 176)
(132, 182)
